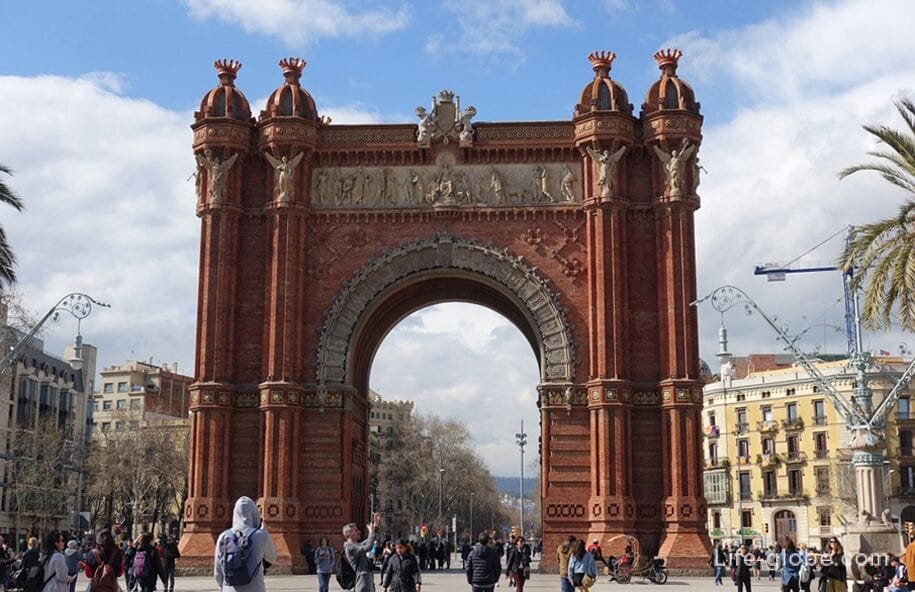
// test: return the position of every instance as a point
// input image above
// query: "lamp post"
(441, 477)
(77, 304)
(521, 439)
(471, 517)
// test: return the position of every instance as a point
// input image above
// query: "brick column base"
(686, 550)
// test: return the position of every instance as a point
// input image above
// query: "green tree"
(885, 249)
(7, 259)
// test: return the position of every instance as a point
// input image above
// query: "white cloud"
(301, 22)
(806, 83)
(108, 212)
(494, 27)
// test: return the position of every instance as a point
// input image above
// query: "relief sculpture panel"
(445, 184)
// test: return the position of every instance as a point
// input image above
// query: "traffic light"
(767, 527)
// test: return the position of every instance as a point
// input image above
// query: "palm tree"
(7, 259)
(886, 248)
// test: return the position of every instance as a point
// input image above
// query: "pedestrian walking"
(104, 564)
(518, 564)
(718, 561)
(401, 573)
(56, 578)
(562, 554)
(147, 565)
(28, 564)
(7, 560)
(483, 566)
(309, 553)
(129, 552)
(582, 567)
(833, 574)
(170, 555)
(324, 560)
(74, 557)
(356, 553)
(244, 551)
(742, 568)
(790, 561)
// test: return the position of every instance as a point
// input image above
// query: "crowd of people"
(59, 561)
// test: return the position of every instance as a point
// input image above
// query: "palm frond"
(7, 261)
(906, 109)
(7, 195)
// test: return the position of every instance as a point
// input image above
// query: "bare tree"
(412, 473)
(138, 475)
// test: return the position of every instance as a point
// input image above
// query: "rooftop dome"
(603, 93)
(291, 100)
(670, 92)
(225, 100)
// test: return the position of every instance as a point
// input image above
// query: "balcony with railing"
(773, 497)
(712, 464)
(743, 460)
(821, 454)
(768, 460)
(905, 416)
(793, 424)
(796, 457)
(767, 427)
(746, 495)
(743, 428)
(712, 431)
(819, 420)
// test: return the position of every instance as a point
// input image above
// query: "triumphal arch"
(316, 239)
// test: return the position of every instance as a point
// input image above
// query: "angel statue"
(283, 175)
(216, 169)
(673, 165)
(606, 162)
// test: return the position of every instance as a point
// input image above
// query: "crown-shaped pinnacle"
(601, 60)
(226, 69)
(292, 68)
(668, 58)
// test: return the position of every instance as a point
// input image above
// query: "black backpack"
(35, 580)
(346, 575)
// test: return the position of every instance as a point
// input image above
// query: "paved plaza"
(455, 581)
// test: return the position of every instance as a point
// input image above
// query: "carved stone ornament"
(674, 164)
(217, 170)
(445, 184)
(522, 283)
(445, 121)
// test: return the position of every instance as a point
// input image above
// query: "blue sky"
(96, 99)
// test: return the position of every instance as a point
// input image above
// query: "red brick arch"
(316, 239)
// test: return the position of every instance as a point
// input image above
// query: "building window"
(122, 403)
(770, 485)
(790, 392)
(819, 412)
(122, 387)
(741, 397)
(106, 405)
(716, 487)
(742, 425)
(905, 442)
(106, 425)
(716, 519)
(134, 426)
(793, 447)
(743, 448)
(746, 519)
(767, 413)
(819, 444)
(135, 403)
(744, 480)
(792, 411)
(766, 395)
(822, 478)
(907, 477)
(372, 415)
(119, 426)
(902, 408)
(768, 445)
(109, 387)
(711, 418)
(95, 406)
(713, 453)
(795, 482)
(135, 388)
(825, 516)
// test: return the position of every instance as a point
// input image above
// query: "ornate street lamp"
(521, 439)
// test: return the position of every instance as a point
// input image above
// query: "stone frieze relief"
(445, 184)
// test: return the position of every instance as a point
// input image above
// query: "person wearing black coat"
(743, 564)
(154, 568)
(401, 573)
(518, 564)
(483, 566)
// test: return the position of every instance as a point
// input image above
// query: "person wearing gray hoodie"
(246, 522)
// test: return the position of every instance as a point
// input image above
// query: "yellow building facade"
(776, 461)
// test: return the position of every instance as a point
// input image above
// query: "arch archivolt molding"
(528, 290)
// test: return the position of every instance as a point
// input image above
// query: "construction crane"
(777, 272)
